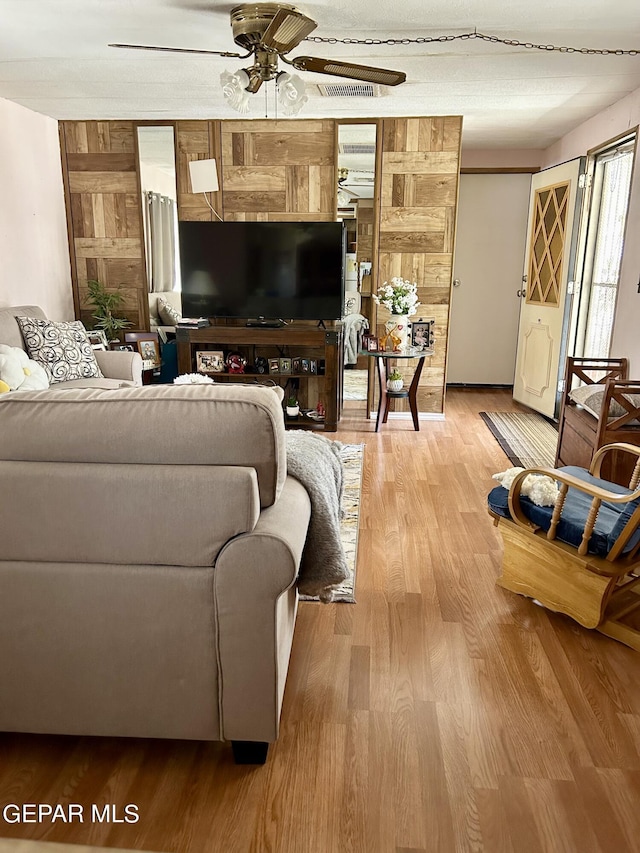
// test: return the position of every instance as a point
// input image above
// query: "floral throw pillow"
(168, 313)
(62, 349)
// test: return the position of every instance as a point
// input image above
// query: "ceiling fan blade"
(287, 29)
(181, 50)
(348, 69)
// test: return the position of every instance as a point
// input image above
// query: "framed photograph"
(422, 334)
(150, 351)
(372, 344)
(295, 365)
(210, 361)
(304, 365)
(274, 365)
(125, 348)
(313, 366)
(98, 339)
(285, 365)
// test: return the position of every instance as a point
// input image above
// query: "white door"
(490, 244)
(545, 309)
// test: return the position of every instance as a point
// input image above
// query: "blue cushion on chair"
(609, 524)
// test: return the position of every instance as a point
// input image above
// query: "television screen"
(276, 270)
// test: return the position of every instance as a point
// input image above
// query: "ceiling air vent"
(349, 90)
(357, 148)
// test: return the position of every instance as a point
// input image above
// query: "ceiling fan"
(268, 32)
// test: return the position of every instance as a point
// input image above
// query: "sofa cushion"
(62, 349)
(610, 521)
(222, 424)
(10, 333)
(169, 315)
(591, 398)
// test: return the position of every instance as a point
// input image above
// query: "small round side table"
(411, 393)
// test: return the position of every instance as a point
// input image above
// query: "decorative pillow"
(591, 398)
(62, 349)
(167, 313)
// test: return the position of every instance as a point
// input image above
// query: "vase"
(395, 384)
(397, 327)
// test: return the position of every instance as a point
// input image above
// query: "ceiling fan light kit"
(268, 31)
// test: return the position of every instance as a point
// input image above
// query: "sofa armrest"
(120, 365)
(256, 605)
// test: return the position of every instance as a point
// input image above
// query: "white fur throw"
(540, 489)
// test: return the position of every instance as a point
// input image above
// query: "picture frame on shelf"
(149, 349)
(285, 365)
(210, 361)
(274, 365)
(422, 334)
(295, 365)
(313, 366)
(372, 344)
(304, 365)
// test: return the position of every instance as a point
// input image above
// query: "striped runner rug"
(527, 439)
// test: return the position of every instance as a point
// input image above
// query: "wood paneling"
(196, 140)
(418, 198)
(105, 212)
(278, 170)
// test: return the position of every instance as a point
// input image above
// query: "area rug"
(527, 439)
(352, 455)
(355, 384)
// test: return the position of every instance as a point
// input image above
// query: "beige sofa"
(119, 369)
(150, 549)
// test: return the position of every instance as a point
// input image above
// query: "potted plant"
(395, 380)
(105, 303)
(292, 407)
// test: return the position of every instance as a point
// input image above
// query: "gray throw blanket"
(354, 327)
(315, 461)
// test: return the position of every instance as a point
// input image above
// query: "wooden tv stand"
(294, 341)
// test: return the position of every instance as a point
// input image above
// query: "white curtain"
(160, 224)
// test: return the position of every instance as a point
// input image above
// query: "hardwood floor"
(439, 713)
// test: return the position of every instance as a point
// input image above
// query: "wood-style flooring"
(439, 713)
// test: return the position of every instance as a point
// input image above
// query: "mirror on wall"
(355, 194)
(156, 154)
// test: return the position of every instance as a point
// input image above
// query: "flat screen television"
(273, 270)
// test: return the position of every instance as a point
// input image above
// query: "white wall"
(613, 121)
(34, 251)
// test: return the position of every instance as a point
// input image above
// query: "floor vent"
(349, 90)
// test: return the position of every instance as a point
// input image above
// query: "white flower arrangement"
(399, 297)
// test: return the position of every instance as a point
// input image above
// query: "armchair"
(581, 556)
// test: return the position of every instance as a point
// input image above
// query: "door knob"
(456, 282)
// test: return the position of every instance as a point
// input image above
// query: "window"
(611, 182)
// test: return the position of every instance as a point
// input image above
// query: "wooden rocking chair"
(581, 556)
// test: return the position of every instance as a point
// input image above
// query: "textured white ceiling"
(54, 59)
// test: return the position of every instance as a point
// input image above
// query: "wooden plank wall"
(196, 140)
(100, 170)
(418, 200)
(279, 170)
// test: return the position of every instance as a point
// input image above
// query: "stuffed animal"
(19, 372)
(540, 489)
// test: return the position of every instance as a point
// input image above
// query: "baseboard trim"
(479, 385)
